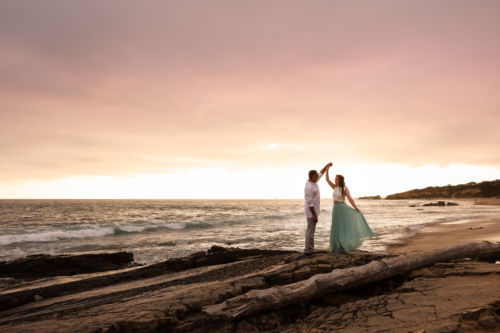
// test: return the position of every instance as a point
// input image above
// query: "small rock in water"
(440, 204)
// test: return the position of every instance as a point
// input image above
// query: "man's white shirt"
(312, 197)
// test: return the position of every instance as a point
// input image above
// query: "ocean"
(155, 230)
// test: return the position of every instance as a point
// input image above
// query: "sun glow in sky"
(239, 99)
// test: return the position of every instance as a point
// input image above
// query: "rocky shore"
(486, 189)
(43, 265)
(457, 295)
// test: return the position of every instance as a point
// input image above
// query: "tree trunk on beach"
(256, 301)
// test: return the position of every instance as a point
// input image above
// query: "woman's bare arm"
(332, 185)
(351, 200)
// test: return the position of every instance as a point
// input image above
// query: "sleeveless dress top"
(337, 194)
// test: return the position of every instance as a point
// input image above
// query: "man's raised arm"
(324, 169)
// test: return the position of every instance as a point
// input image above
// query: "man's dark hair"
(312, 173)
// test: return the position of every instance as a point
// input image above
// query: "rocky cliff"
(486, 189)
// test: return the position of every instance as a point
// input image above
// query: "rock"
(249, 283)
(445, 297)
(302, 273)
(440, 204)
(37, 298)
(322, 268)
(199, 254)
(449, 327)
(217, 249)
(220, 256)
(178, 310)
(44, 265)
(483, 316)
(139, 324)
(487, 319)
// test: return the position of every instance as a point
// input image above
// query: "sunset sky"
(239, 99)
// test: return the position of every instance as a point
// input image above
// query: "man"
(312, 198)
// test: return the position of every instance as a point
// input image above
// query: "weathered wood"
(256, 301)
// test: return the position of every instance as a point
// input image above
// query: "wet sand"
(449, 234)
(487, 201)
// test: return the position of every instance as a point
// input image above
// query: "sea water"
(155, 230)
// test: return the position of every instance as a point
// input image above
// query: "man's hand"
(313, 212)
(326, 167)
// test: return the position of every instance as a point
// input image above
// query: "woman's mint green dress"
(349, 228)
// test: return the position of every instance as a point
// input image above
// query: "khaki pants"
(311, 228)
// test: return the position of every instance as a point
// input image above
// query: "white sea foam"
(174, 226)
(90, 232)
(55, 235)
(12, 253)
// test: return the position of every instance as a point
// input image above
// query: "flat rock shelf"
(458, 291)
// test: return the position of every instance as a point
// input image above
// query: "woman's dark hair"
(341, 184)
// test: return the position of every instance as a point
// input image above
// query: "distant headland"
(486, 189)
(371, 197)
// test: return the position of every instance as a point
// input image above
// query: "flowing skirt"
(349, 229)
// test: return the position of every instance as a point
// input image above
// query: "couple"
(349, 226)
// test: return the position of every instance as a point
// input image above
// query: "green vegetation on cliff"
(487, 189)
(371, 197)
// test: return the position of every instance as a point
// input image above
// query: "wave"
(55, 235)
(12, 253)
(459, 218)
(97, 231)
(449, 219)
(79, 231)
(197, 225)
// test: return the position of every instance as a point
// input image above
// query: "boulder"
(44, 265)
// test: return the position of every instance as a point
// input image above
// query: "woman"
(349, 227)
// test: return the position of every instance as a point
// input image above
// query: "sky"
(240, 99)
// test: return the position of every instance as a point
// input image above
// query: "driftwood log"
(256, 301)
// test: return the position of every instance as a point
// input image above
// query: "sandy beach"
(450, 233)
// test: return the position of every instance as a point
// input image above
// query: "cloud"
(92, 88)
